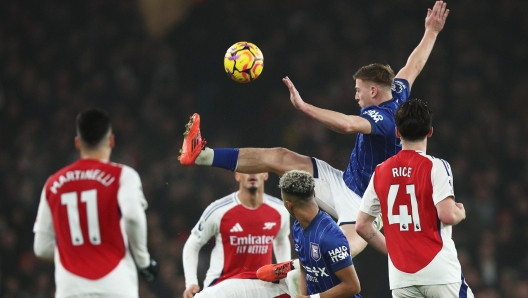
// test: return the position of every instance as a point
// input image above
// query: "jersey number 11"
(90, 198)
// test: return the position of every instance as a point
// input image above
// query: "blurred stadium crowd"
(59, 57)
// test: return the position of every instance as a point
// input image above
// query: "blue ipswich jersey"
(382, 143)
(323, 250)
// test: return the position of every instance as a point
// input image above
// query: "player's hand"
(301, 296)
(461, 207)
(190, 291)
(295, 98)
(436, 17)
(151, 272)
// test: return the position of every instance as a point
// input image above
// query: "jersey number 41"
(404, 218)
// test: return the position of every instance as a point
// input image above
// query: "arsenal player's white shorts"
(243, 288)
(333, 195)
(452, 290)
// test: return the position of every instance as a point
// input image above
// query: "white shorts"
(243, 288)
(333, 195)
(453, 290)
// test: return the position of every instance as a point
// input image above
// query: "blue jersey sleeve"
(400, 90)
(335, 250)
(381, 121)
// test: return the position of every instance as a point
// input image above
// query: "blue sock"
(226, 158)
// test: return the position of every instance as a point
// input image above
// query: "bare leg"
(276, 160)
(357, 244)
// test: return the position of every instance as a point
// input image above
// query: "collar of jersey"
(386, 102)
(312, 223)
(380, 105)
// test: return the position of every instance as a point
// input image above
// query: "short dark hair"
(92, 126)
(414, 119)
(377, 73)
(298, 183)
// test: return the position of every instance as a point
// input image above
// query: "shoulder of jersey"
(273, 201)
(227, 201)
(439, 161)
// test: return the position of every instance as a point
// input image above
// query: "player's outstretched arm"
(434, 23)
(450, 212)
(336, 121)
(366, 229)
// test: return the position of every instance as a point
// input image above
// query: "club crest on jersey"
(314, 248)
(398, 86)
(269, 225)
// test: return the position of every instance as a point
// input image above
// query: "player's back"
(91, 251)
(408, 186)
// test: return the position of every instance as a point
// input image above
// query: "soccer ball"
(243, 62)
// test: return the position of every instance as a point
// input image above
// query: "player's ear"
(237, 177)
(374, 90)
(77, 142)
(430, 132)
(111, 141)
(266, 176)
(398, 134)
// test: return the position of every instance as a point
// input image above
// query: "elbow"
(361, 228)
(353, 289)
(39, 253)
(357, 290)
(348, 128)
(447, 218)
(43, 253)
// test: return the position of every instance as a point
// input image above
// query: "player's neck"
(251, 200)
(103, 154)
(384, 97)
(305, 215)
(419, 145)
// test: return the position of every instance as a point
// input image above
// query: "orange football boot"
(192, 142)
(274, 272)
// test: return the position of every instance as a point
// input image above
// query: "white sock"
(205, 158)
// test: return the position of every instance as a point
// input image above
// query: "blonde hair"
(298, 183)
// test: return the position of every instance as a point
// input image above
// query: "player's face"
(251, 182)
(364, 93)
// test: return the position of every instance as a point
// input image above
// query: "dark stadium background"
(153, 63)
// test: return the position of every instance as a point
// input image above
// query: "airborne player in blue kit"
(379, 92)
(326, 267)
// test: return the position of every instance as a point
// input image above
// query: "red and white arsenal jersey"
(243, 237)
(82, 206)
(405, 189)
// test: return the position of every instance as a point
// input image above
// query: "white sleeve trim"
(370, 203)
(44, 220)
(132, 204)
(442, 180)
(44, 245)
(207, 227)
(281, 248)
(191, 250)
